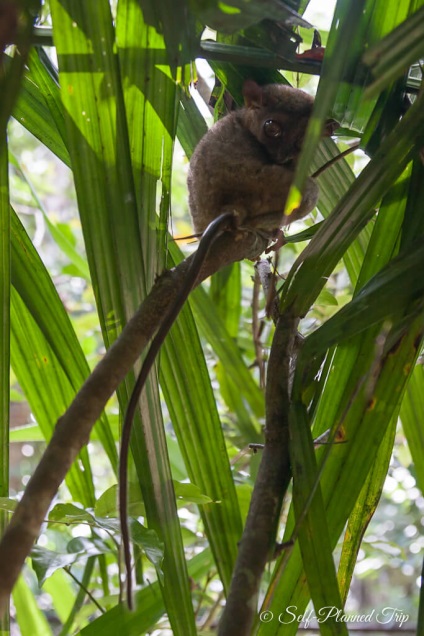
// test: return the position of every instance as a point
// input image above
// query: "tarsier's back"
(245, 163)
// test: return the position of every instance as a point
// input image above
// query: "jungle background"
(92, 177)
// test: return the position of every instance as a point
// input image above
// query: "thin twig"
(334, 160)
(86, 590)
(207, 624)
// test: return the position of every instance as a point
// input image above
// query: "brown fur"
(238, 167)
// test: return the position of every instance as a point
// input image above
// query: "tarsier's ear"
(330, 126)
(252, 94)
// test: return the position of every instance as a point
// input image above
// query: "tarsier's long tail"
(214, 229)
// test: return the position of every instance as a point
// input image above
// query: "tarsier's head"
(278, 115)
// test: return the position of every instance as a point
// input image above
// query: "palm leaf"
(42, 303)
(4, 331)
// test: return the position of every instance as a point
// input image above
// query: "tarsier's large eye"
(272, 128)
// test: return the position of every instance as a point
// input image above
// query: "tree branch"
(74, 427)
(258, 542)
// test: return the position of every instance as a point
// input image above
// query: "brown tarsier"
(245, 163)
(240, 176)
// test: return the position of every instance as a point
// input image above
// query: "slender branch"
(85, 589)
(74, 427)
(79, 598)
(258, 541)
(334, 160)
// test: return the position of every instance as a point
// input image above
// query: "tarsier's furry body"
(245, 163)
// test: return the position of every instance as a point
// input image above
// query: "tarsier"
(245, 163)
(241, 171)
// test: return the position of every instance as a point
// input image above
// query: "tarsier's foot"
(239, 213)
(263, 237)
